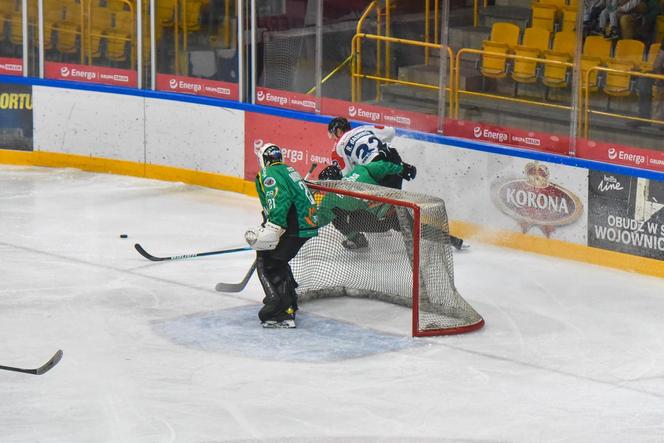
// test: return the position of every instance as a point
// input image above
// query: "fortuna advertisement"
(626, 214)
(16, 117)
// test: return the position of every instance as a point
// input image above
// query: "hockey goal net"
(402, 255)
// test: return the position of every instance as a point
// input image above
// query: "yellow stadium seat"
(629, 51)
(558, 4)
(166, 13)
(543, 16)
(596, 51)
(569, 19)
(647, 65)
(53, 14)
(119, 36)
(504, 37)
(627, 56)
(564, 47)
(100, 24)
(69, 29)
(193, 15)
(535, 42)
(7, 9)
(16, 29)
(117, 5)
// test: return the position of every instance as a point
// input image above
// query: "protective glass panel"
(514, 64)
(197, 51)
(622, 112)
(11, 37)
(91, 41)
(286, 54)
(381, 62)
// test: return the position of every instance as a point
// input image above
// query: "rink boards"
(566, 207)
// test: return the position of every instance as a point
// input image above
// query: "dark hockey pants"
(277, 279)
(350, 223)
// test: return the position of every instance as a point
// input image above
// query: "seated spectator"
(637, 19)
(628, 16)
(591, 11)
(609, 14)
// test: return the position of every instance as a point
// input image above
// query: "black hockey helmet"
(338, 123)
(269, 154)
(331, 172)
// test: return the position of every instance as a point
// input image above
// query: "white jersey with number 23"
(361, 145)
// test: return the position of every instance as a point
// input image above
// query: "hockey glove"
(264, 238)
(409, 171)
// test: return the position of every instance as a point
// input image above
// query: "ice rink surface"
(570, 352)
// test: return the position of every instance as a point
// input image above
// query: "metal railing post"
(24, 30)
(40, 13)
(153, 45)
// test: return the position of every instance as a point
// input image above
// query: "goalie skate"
(283, 324)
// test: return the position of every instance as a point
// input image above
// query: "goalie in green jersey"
(290, 219)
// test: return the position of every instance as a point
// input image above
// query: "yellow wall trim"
(529, 243)
(558, 248)
(123, 167)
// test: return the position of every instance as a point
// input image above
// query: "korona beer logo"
(535, 201)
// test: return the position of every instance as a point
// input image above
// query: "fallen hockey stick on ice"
(236, 287)
(149, 256)
(40, 370)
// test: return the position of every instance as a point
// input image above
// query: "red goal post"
(407, 259)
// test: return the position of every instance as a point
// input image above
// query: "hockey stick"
(236, 287)
(311, 169)
(149, 256)
(40, 370)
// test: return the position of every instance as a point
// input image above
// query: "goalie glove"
(264, 238)
(409, 171)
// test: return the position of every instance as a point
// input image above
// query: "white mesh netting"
(393, 255)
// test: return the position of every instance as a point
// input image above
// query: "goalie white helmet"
(268, 154)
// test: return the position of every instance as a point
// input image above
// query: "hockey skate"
(357, 242)
(285, 320)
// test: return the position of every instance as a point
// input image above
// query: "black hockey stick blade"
(151, 257)
(236, 287)
(40, 370)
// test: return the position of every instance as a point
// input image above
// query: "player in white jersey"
(364, 145)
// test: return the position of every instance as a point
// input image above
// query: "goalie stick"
(236, 287)
(40, 370)
(239, 287)
(151, 257)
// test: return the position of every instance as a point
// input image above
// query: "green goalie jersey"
(370, 173)
(286, 200)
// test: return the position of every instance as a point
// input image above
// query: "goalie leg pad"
(277, 279)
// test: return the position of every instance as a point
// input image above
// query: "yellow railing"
(356, 49)
(457, 80)
(333, 73)
(358, 75)
(456, 90)
(586, 98)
